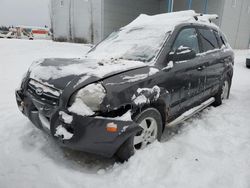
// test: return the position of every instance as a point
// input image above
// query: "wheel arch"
(159, 105)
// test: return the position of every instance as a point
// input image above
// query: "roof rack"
(206, 17)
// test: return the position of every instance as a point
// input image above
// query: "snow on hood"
(143, 38)
(52, 69)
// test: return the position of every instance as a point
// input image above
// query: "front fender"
(135, 88)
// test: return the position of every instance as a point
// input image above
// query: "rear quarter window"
(219, 39)
(208, 40)
(223, 39)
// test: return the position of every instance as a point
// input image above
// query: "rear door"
(188, 76)
(210, 56)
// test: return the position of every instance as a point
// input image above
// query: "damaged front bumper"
(89, 134)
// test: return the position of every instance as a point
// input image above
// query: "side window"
(208, 40)
(187, 38)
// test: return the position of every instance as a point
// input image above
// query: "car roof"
(168, 21)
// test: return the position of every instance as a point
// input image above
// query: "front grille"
(43, 92)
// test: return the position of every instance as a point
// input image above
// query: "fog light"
(111, 127)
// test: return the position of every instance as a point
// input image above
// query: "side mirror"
(182, 54)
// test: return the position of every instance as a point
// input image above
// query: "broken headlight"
(91, 95)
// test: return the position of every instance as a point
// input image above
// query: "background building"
(92, 20)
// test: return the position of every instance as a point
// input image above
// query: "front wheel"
(151, 122)
(224, 91)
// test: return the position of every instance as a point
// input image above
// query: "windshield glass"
(142, 39)
(131, 43)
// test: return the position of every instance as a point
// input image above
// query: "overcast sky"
(24, 12)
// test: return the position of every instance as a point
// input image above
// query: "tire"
(151, 121)
(125, 151)
(224, 91)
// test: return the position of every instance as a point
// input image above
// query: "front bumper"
(89, 133)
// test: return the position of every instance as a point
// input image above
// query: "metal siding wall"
(97, 20)
(180, 5)
(163, 6)
(198, 5)
(118, 13)
(60, 19)
(243, 34)
(81, 21)
(230, 20)
(78, 21)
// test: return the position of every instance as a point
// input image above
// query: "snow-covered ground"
(211, 150)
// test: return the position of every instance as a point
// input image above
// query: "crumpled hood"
(59, 72)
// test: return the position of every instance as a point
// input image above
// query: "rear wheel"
(151, 122)
(223, 93)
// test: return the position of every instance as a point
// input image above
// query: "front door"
(189, 74)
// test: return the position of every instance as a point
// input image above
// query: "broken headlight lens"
(92, 96)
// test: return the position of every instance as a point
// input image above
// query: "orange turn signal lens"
(111, 127)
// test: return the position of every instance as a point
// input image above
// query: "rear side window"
(187, 38)
(208, 40)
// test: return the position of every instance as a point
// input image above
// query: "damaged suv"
(151, 74)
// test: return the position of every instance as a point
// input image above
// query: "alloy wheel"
(148, 135)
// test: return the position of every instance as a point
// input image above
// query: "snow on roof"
(142, 39)
(170, 20)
